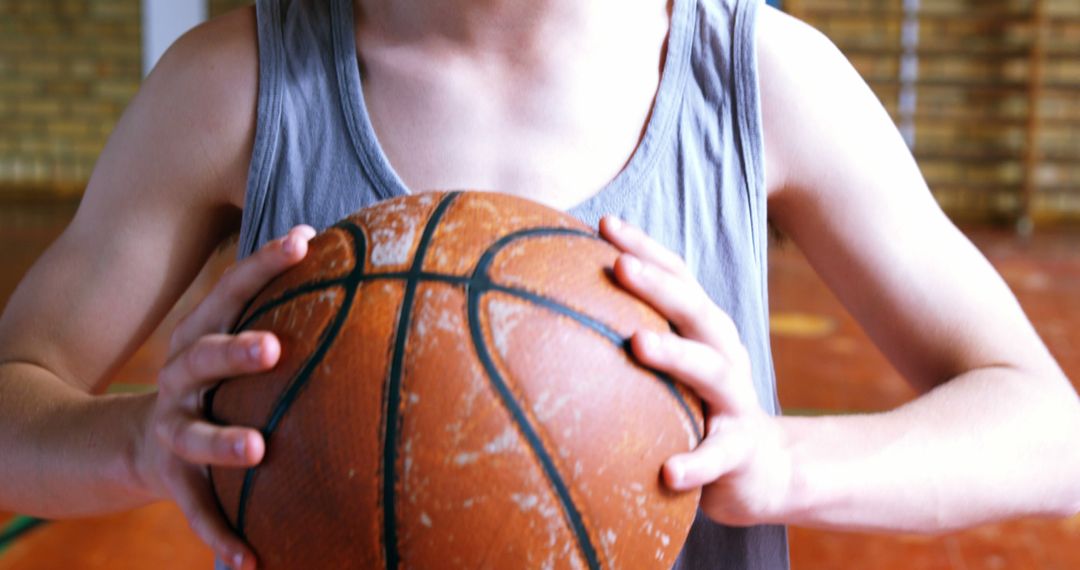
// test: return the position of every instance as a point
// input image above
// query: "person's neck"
(542, 98)
(521, 31)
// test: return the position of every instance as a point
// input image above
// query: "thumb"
(712, 459)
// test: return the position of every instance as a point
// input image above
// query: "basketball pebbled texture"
(455, 390)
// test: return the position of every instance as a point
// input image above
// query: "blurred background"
(986, 92)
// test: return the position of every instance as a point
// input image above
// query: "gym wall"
(68, 68)
(986, 91)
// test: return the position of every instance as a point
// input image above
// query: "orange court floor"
(824, 364)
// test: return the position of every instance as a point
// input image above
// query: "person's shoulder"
(217, 57)
(204, 92)
(808, 88)
(789, 43)
(795, 60)
(231, 35)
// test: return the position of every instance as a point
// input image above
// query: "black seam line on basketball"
(482, 283)
(307, 288)
(547, 463)
(480, 275)
(208, 412)
(493, 250)
(394, 385)
(241, 321)
(289, 396)
(289, 295)
(424, 276)
(486, 284)
(603, 330)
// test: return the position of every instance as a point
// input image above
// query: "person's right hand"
(179, 442)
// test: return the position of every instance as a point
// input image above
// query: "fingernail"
(238, 561)
(631, 264)
(239, 446)
(289, 246)
(255, 351)
(614, 223)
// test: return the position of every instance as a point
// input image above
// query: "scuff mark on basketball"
(505, 317)
(393, 246)
(547, 408)
(506, 441)
(524, 502)
(465, 458)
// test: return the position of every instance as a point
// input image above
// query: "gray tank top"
(695, 182)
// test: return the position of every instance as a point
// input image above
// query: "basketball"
(455, 390)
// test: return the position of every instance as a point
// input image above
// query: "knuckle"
(203, 529)
(717, 371)
(232, 294)
(166, 380)
(163, 432)
(274, 244)
(269, 254)
(179, 440)
(683, 270)
(686, 316)
(220, 443)
(709, 309)
(174, 483)
(191, 362)
(196, 359)
(703, 307)
(184, 441)
(674, 349)
(678, 266)
(179, 336)
(237, 350)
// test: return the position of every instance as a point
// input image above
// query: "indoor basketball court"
(985, 95)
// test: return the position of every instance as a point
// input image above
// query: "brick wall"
(218, 7)
(996, 124)
(68, 68)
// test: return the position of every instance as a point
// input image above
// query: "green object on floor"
(16, 528)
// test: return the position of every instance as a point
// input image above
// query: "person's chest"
(557, 135)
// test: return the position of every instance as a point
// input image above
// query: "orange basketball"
(455, 391)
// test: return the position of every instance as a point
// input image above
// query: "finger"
(713, 459)
(192, 493)
(237, 286)
(630, 239)
(214, 357)
(714, 378)
(197, 441)
(680, 300)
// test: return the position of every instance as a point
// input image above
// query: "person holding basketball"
(680, 127)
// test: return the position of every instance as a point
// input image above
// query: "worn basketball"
(455, 390)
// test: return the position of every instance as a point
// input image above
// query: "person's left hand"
(741, 464)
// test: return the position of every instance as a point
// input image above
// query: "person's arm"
(165, 191)
(994, 434)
